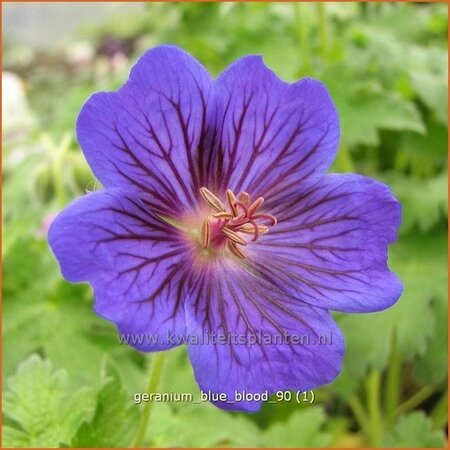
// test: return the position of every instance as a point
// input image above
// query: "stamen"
(238, 221)
(205, 233)
(244, 207)
(231, 200)
(228, 224)
(223, 215)
(244, 197)
(233, 236)
(212, 200)
(255, 206)
(250, 229)
(235, 250)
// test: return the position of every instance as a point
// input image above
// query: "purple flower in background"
(219, 226)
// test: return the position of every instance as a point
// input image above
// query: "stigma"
(226, 224)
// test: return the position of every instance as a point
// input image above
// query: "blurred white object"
(16, 113)
(80, 53)
(51, 25)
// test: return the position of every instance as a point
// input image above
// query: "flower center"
(226, 226)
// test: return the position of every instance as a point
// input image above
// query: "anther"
(212, 200)
(244, 197)
(231, 200)
(226, 223)
(255, 206)
(235, 250)
(233, 236)
(205, 233)
(223, 215)
(250, 229)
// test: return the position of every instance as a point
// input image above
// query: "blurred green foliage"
(69, 383)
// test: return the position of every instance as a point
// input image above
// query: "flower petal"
(149, 134)
(274, 135)
(132, 259)
(330, 245)
(246, 336)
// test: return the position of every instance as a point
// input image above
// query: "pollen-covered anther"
(235, 250)
(226, 226)
(231, 200)
(212, 200)
(234, 237)
(244, 197)
(223, 215)
(250, 229)
(205, 233)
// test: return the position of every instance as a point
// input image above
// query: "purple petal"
(231, 302)
(330, 245)
(274, 135)
(132, 259)
(148, 135)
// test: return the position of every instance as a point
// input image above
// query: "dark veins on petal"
(330, 246)
(273, 135)
(194, 168)
(172, 130)
(244, 305)
(133, 259)
(148, 134)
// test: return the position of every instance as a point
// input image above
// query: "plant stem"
(419, 397)
(303, 35)
(440, 412)
(358, 411)
(393, 384)
(155, 373)
(323, 30)
(373, 407)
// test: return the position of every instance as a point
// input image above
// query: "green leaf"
(303, 429)
(424, 202)
(178, 375)
(414, 431)
(365, 108)
(421, 264)
(390, 51)
(407, 24)
(42, 412)
(432, 90)
(115, 418)
(42, 313)
(201, 425)
(432, 367)
(428, 70)
(422, 155)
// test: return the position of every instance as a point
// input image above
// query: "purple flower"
(219, 226)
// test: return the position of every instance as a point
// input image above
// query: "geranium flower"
(218, 223)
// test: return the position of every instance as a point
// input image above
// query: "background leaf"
(203, 426)
(115, 418)
(414, 431)
(421, 265)
(43, 313)
(303, 429)
(41, 411)
(386, 67)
